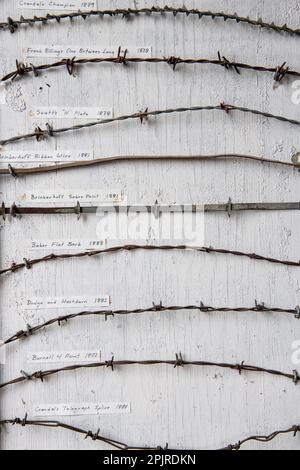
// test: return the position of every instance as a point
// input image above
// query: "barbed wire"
(208, 250)
(155, 308)
(95, 436)
(70, 64)
(50, 131)
(154, 209)
(13, 24)
(178, 362)
(13, 171)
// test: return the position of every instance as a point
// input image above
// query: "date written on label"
(55, 357)
(40, 303)
(67, 5)
(59, 112)
(70, 51)
(67, 245)
(91, 197)
(77, 409)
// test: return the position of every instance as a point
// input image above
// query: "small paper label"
(23, 156)
(91, 197)
(77, 409)
(67, 245)
(40, 303)
(59, 112)
(2, 352)
(56, 357)
(2, 95)
(68, 52)
(67, 5)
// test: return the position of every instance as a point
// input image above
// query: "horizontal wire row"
(50, 131)
(95, 436)
(259, 307)
(22, 69)
(203, 249)
(154, 209)
(13, 24)
(178, 362)
(36, 170)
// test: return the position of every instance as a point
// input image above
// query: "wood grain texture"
(184, 407)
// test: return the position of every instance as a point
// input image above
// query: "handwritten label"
(40, 303)
(68, 196)
(67, 5)
(2, 352)
(23, 156)
(67, 245)
(68, 52)
(77, 409)
(59, 112)
(2, 95)
(56, 357)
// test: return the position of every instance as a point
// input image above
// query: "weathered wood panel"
(185, 407)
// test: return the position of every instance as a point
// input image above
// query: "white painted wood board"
(189, 407)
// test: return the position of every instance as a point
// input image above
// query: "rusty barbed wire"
(203, 249)
(155, 209)
(95, 436)
(36, 170)
(22, 69)
(155, 308)
(142, 116)
(13, 24)
(177, 362)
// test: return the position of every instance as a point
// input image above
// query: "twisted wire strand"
(178, 362)
(36, 170)
(259, 307)
(22, 69)
(209, 250)
(13, 24)
(50, 131)
(122, 446)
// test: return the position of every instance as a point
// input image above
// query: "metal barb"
(12, 171)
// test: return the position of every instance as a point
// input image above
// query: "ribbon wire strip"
(13, 24)
(259, 307)
(22, 69)
(178, 362)
(10, 171)
(50, 131)
(121, 446)
(208, 250)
